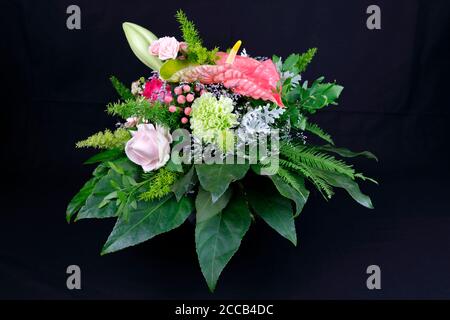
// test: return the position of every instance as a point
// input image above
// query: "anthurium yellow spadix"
(139, 40)
(233, 52)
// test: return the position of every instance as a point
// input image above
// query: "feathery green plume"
(159, 184)
(197, 53)
(305, 59)
(311, 157)
(122, 90)
(106, 139)
(318, 131)
(154, 112)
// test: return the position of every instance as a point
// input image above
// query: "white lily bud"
(139, 40)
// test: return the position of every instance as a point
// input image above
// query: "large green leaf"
(206, 209)
(219, 236)
(296, 192)
(95, 207)
(80, 198)
(184, 184)
(290, 63)
(216, 178)
(174, 167)
(315, 97)
(341, 181)
(274, 209)
(171, 67)
(148, 220)
(343, 152)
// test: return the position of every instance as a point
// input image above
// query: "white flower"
(136, 87)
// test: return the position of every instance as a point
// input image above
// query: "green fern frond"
(321, 185)
(159, 184)
(309, 156)
(288, 177)
(318, 131)
(106, 139)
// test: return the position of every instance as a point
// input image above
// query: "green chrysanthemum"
(212, 119)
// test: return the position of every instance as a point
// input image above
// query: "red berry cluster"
(182, 99)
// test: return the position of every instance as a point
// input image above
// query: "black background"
(395, 103)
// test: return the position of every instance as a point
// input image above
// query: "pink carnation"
(154, 90)
(165, 48)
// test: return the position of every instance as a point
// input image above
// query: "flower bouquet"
(219, 136)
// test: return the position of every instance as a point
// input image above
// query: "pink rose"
(149, 147)
(165, 48)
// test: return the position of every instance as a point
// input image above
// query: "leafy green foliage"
(317, 96)
(197, 53)
(147, 220)
(158, 184)
(206, 208)
(219, 231)
(341, 181)
(122, 90)
(323, 170)
(172, 166)
(107, 155)
(315, 129)
(113, 192)
(312, 158)
(185, 184)
(216, 178)
(154, 112)
(79, 200)
(303, 99)
(305, 59)
(291, 186)
(190, 33)
(274, 209)
(297, 63)
(293, 117)
(106, 139)
(343, 152)
(322, 186)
